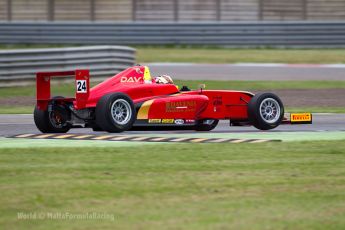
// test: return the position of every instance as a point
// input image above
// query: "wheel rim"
(56, 120)
(121, 111)
(270, 110)
(208, 122)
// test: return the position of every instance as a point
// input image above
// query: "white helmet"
(164, 79)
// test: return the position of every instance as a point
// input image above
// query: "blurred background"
(294, 48)
(172, 10)
(253, 23)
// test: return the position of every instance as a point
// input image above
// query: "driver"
(163, 79)
(166, 79)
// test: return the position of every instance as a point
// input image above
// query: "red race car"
(134, 99)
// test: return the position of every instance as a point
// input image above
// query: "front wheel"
(265, 111)
(115, 113)
(206, 125)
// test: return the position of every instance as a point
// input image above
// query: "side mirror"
(202, 86)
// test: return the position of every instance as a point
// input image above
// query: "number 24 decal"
(81, 86)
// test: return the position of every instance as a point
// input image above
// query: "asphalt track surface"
(23, 123)
(258, 72)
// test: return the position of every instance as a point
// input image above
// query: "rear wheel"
(53, 120)
(206, 124)
(115, 113)
(265, 111)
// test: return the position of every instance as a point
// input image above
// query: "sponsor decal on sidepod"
(179, 122)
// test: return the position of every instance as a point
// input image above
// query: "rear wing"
(82, 87)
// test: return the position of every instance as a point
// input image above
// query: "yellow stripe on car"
(144, 110)
(147, 74)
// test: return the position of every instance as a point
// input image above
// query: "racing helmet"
(164, 79)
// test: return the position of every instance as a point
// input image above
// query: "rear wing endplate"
(82, 87)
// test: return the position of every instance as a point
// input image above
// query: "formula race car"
(133, 99)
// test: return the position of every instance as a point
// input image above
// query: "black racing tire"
(265, 111)
(44, 124)
(96, 128)
(108, 106)
(206, 124)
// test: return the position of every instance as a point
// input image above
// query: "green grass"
(29, 109)
(64, 89)
(27, 46)
(316, 109)
(182, 186)
(264, 85)
(30, 90)
(227, 55)
(67, 90)
(6, 109)
(200, 54)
